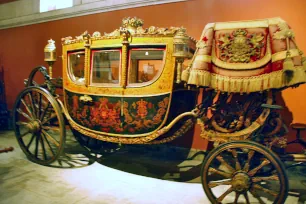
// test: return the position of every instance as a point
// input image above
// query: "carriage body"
(120, 87)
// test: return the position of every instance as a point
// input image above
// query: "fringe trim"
(274, 80)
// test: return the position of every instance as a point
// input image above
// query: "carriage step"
(294, 157)
(271, 106)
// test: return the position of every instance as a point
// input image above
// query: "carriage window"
(105, 66)
(145, 65)
(76, 64)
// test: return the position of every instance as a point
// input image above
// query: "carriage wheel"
(38, 77)
(244, 171)
(39, 125)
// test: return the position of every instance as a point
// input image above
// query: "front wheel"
(39, 125)
(244, 172)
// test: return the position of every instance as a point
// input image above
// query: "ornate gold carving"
(134, 26)
(114, 34)
(85, 98)
(239, 66)
(96, 34)
(240, 48)
(216, 136)
(67, 40)
(284, 32)
(86, 39)
(180, 132)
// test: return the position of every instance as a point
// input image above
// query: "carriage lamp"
(50, 55)
(180, 50)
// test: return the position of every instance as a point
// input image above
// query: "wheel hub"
(34, 126)
(241, 182)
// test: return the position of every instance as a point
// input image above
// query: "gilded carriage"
(140, 85)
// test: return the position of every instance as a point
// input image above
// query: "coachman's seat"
(247, 56)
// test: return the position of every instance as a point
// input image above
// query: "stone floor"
(134, 174)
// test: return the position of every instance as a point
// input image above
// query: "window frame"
(109, 49)
(70, 74)
(146, 48)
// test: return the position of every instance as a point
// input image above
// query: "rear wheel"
(244, 172)
(39, 125)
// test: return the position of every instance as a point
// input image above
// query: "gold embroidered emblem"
(240, 47)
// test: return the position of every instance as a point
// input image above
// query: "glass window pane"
(145, 65)
(105, 66)
(76, 62)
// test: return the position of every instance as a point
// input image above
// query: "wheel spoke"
(24, 114)
(31, 140)
(253, 192)
(225, 164)
(51, 138)
(50, 118)
(43, 148)
(213, 184)
(27, 108)
(48, 144)
(20, 123)
(235, 155)
(236, 197)
(225, 194)
(36, 146)
(259, 187)
(39, 106)
(267, 178)
(222, 173)
(254, 171)
(32, 103)
(246, 197)
(247, 164)
(24, 134)
(54, 128)
(44, 112)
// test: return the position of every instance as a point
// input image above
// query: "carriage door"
(144, 110)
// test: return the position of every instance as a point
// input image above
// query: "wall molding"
(77, 10)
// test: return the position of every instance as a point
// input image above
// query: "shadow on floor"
(160, 161)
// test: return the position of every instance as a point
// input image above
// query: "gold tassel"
(288, 68)
(185, 74)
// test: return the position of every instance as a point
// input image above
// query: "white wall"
(26, 12)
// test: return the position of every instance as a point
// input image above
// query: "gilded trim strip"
(87, 64)
(241, 24)
(203, 58)
(263, 23)
(283, 54)
(124, 96)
